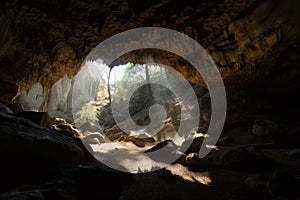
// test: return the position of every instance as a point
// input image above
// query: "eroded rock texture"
(41, 41)
(29, 151)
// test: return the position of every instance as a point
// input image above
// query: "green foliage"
(133, 74)
(87, 113)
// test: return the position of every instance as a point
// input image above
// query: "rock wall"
(59, 97)
(33, 99)
(252, 42)
(61, 102)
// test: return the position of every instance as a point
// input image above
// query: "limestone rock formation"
(33, 99)
(43, 41)
(59, 99)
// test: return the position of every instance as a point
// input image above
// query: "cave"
(156, 99)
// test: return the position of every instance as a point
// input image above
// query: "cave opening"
(67, 121)
(123, 105)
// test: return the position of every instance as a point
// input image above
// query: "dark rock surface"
(5, 109)
(257, 183)
(265, 128)
(239, 193)
(284, 185)
(96, 183)
(41, 163)
(28, 151)
(54, 189)
(246, 158)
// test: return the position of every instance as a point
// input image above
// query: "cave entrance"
(132, 107)
(98, 87)
(88, 96)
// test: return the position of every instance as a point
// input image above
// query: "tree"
(108, 86)
(87, 113)
(148, 85)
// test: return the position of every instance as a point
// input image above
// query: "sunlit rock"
(33, 99)
(58, 97)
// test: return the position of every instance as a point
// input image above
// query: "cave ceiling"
(252, 42)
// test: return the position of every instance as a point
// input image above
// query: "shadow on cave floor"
(256, 157)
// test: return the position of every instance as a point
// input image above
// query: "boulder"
(137, 141)
(94, 138)
(29, 151)
(113, 133)
(257, 183)
(114, 136)
(284, 185)
(66, 129)
(41, 118)
(265, 128)
(89, 126)
(245, 158)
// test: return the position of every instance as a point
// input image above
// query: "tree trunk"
(108, 86)
(149, 86)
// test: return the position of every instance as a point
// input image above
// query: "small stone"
(138, 141)
(149, 139)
